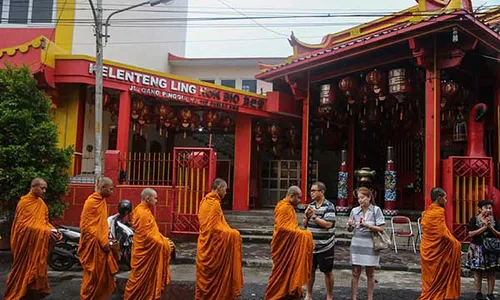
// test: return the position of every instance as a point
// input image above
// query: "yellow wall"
(64, 27)
(66, 116)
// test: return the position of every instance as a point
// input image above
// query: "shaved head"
(147, 192)
(294, 194)
(38, 187)
(37, 181)
(149, 196)
(105, 187)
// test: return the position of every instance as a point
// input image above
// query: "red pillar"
(123, 126)
(350, 163)
(432, 154)
(305, 145)
(242, 161)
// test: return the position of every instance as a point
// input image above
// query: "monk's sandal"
(490, 297)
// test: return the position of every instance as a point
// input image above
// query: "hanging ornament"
(195, 121)
(326, 103)
(227, 123)
(347, 85)
(185, 115)
(399, 84)
(143, 118)
(377, 80)
(258, 134)
(291, 134)
(460, 127)
(274, 131)
(210, 118)
(135, 113)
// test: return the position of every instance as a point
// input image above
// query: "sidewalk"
(259, 255)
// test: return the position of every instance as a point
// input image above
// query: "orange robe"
(98, 266)
(440, 256)
(29, 243)
(218, 263)
(150, 258)
(292, 253)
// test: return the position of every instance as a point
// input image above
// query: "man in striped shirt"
(320, 220)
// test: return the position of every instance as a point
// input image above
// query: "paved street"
(391, 284)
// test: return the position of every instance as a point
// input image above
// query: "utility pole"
(98, 92)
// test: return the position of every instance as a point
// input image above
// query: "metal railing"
(149, 169)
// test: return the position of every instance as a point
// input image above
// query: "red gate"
(194, 171)
(466, 180)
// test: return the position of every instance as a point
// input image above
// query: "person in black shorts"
(320, 220)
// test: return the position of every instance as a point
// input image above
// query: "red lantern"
(449, 89)
(227, 123)
(210, 118)
(291, 134)
(376, 79)
(347, 85)
(195, 121)
(274, 130)
(185, 115)
(137, 106)
(258, 134)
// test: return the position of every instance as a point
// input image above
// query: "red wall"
(78, 193)
(17, 36)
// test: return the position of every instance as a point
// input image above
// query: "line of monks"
(219, 273)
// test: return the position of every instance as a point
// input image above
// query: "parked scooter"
(64, 254)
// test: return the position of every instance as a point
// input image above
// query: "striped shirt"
(324, 239)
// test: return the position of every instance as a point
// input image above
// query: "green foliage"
(28, 143)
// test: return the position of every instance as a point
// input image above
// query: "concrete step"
(266, 239)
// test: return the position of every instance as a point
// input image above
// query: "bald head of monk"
(438, 196)
(149, 197)
(105, 187)
(219, 186)
(294, 195)
(38, 187)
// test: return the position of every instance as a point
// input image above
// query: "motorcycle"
(64, 255)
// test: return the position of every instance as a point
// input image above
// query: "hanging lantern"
(291, 134)
(227, 123)
(449, 90)
(143, 118)
(210, 118)
(365, 93)
(460, 128)
(376, 79)
(195, 121)
(137, 106)
(106, 99)
(274, 131)
(326, 103)
(347, 85)
(363, 124)
(399, 84)
(185, 115)
(258, 134)
(162, 111)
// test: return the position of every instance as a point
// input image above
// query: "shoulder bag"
(381, 240)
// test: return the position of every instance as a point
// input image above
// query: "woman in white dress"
(364, 219)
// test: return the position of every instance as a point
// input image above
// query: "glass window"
(42, 11)
(249, 85)
(228, 83)
(208, 80)
(18, 11)
(1, 6)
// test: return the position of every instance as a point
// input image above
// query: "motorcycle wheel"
(58, 262)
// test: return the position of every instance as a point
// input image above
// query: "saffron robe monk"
(440, 253)
(218, 263)
(151, 253)
(30, 235)
(97, 261)
(291, 250)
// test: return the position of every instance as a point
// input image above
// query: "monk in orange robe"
(218, 263)
(29, 241)
(94, 253)
(440, 253)
(291, 250)
(151, 253)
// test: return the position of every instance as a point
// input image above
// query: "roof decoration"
(48, 50)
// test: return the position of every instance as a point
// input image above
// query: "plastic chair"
(401, 221)
(419, 226)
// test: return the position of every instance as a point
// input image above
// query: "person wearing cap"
(482, 261)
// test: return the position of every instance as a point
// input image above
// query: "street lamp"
(97, 13)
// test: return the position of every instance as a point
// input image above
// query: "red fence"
(467, 180)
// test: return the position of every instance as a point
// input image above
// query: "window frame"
(227, 79)
(256, 85)
(4, 21)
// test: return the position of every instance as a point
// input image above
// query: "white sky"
(244, 38)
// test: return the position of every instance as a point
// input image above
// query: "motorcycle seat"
(72, 228)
